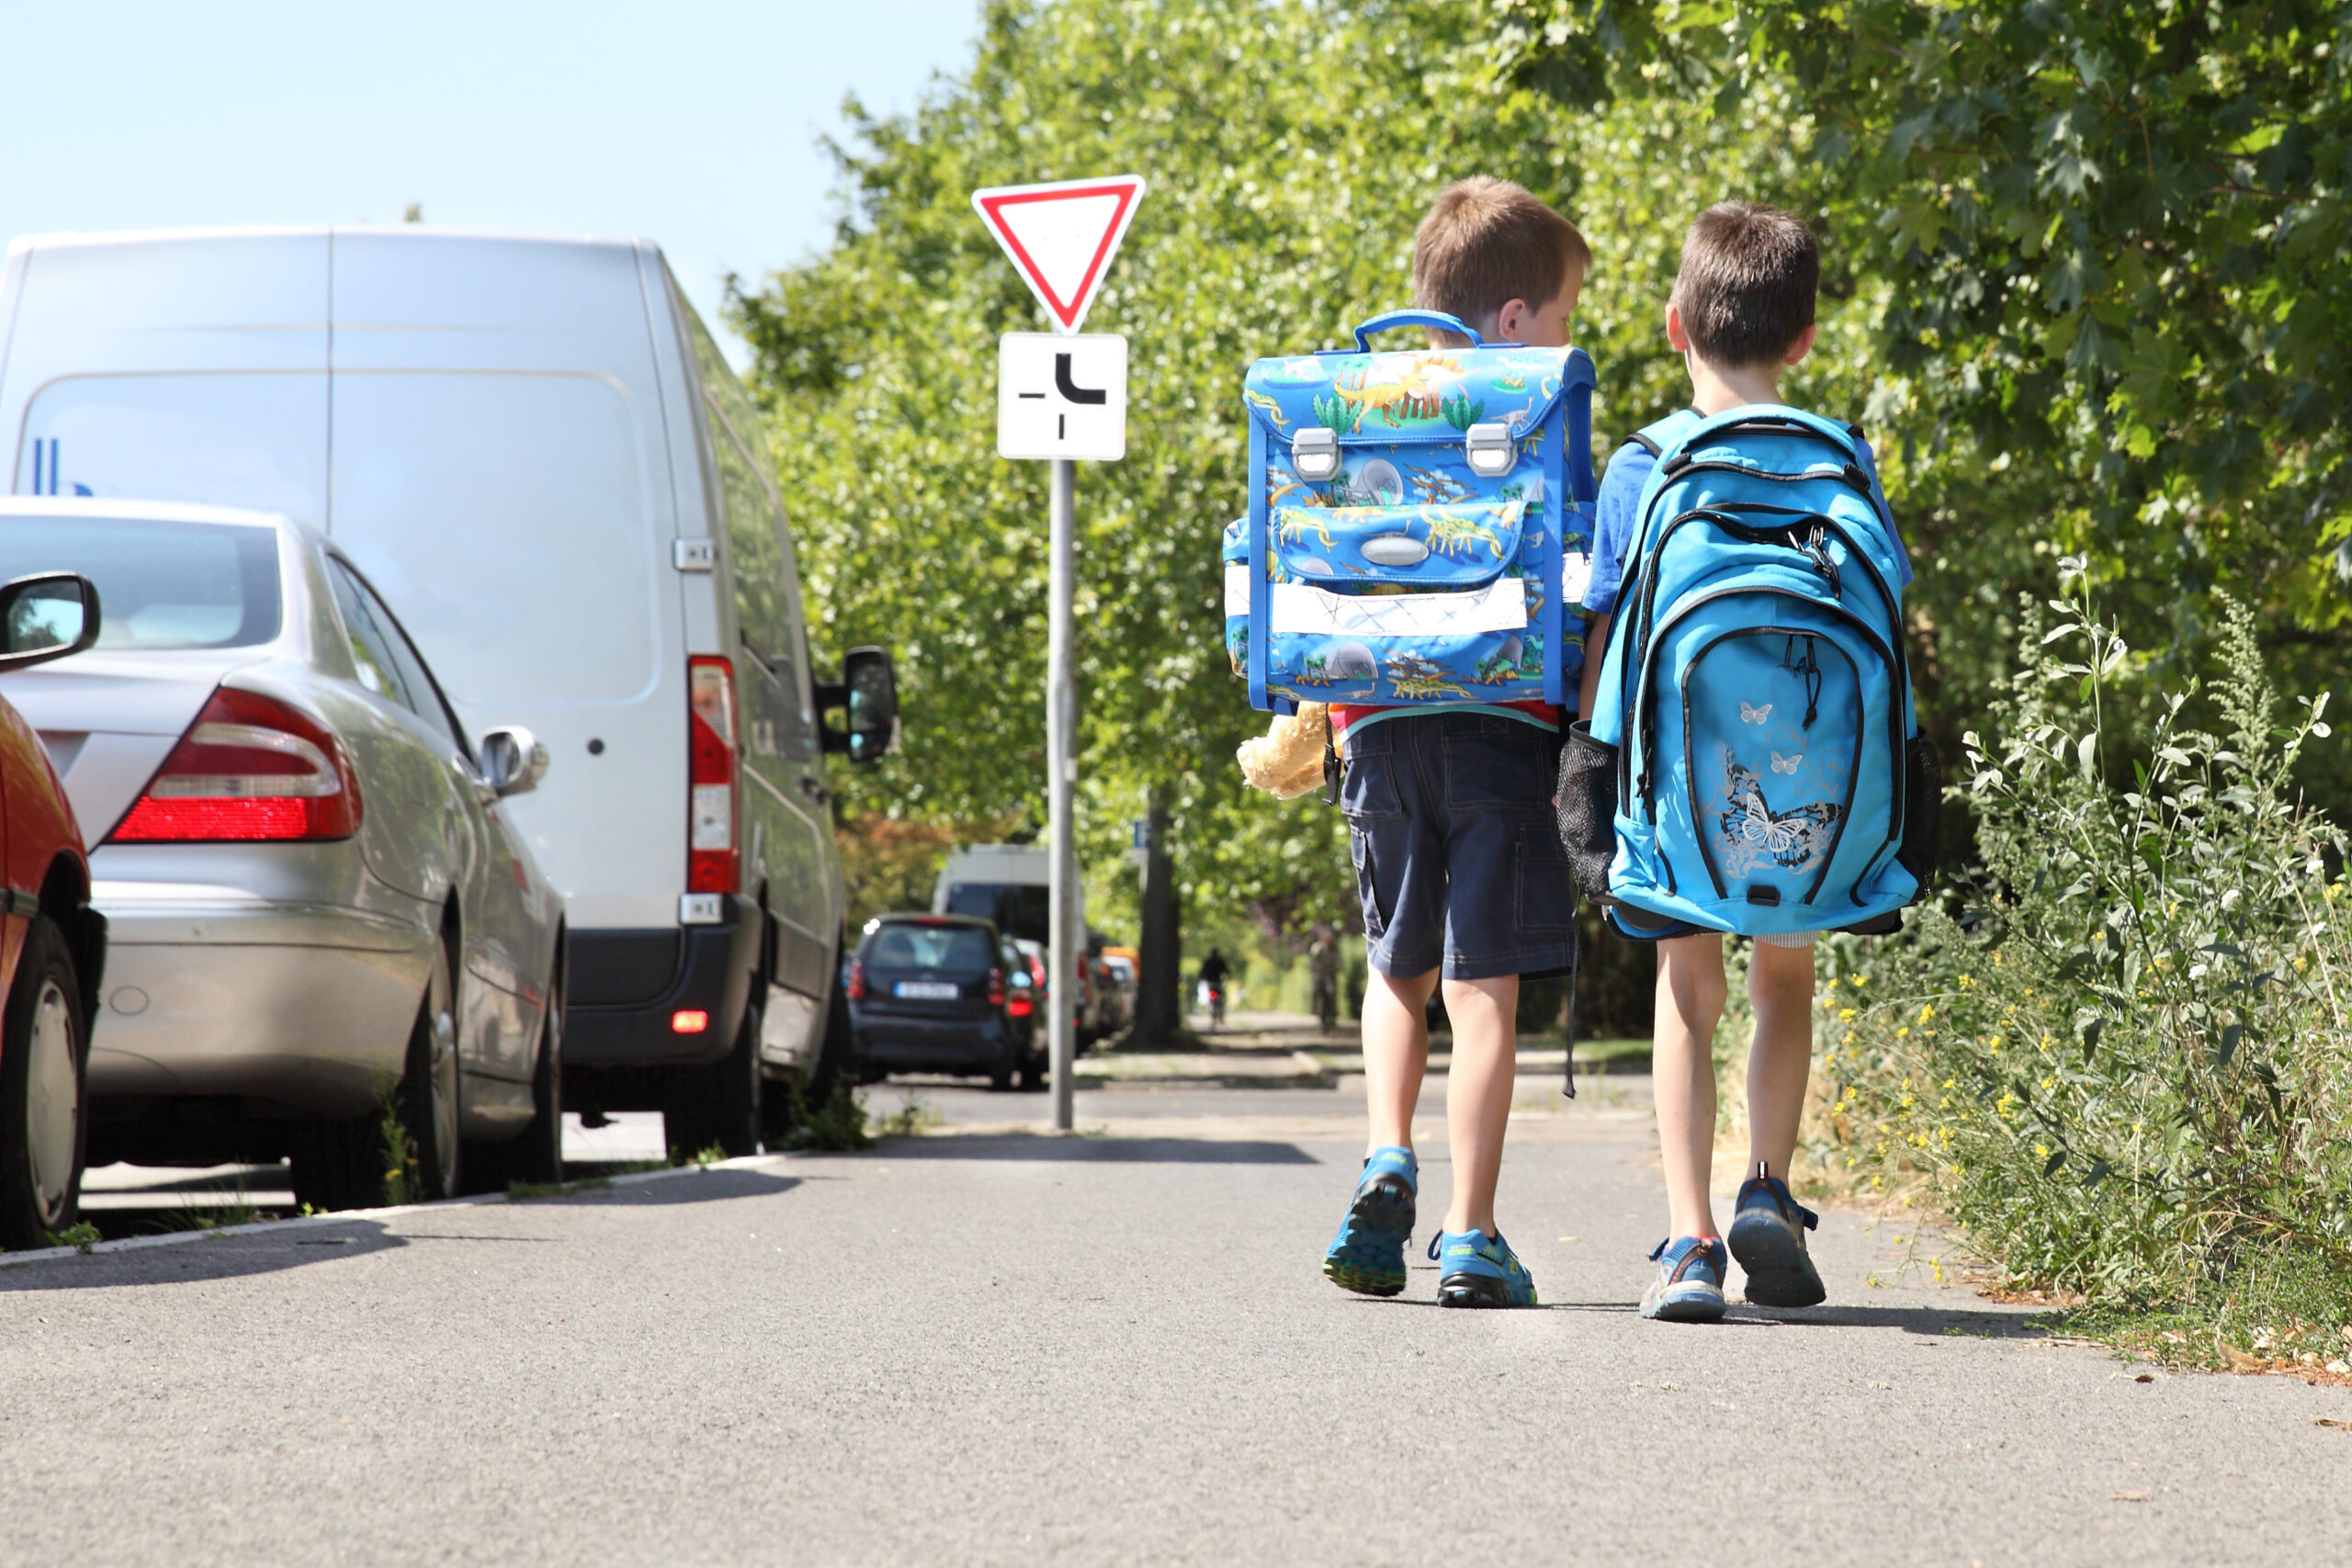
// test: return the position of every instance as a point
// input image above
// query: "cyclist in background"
(1214, 969)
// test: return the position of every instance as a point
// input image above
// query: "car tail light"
(856, 981)
(250, 767)
(712, 862)
(1019, 1006)
(996, 988)
(689, 1020)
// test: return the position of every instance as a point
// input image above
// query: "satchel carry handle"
(1437, 318)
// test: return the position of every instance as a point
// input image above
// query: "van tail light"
(250, 769)
(996, 988)
(713, 864)
(856, 981)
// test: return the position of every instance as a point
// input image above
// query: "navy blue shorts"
(1456, 847)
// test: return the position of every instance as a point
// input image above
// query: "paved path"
(979, 1347)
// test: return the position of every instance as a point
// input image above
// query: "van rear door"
(501, 473)
(172, 367)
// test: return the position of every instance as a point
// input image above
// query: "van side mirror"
(46, 617)
(870, 692)
(514, 760)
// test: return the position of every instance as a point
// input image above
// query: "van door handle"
(814, 788)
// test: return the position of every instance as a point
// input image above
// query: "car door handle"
(814, 788)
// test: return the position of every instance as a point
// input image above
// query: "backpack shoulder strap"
(1667, 432)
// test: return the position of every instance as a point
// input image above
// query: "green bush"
(2125, 1065)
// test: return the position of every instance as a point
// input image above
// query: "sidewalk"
(1273, 1049)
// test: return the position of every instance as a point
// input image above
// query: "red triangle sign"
(1062, 236)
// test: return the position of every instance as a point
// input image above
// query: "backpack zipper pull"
(1816, 545)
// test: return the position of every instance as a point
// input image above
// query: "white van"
(534, 450)
(1012, 884)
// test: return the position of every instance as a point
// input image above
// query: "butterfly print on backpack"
(1753, 831)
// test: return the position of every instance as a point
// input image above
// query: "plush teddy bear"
(1287, 761)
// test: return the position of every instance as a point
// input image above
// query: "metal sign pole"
(1061, 768)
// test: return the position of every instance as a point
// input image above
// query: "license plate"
(926, 990)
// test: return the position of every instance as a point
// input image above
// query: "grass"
(522, 1191)
(836, 1122)
(2121, 1058)
(912, 1119)
(82, 1237)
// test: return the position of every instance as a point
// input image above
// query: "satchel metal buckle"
(1490, 448)
(1314, 454)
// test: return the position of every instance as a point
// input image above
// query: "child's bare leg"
(1779, 983)
(1395, 1055)
(1477, 1093)
(1682, 1064)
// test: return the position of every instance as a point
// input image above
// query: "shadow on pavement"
(1098, 1151)
(702, 1187)
(1938, 1323)
(220, 1257)
(1933, 1322)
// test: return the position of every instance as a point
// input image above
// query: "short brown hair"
(1487, 241)
(1747, 283)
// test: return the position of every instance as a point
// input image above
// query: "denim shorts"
(1458, 851)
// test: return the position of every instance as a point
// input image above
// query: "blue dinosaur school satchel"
(1752, 723)
(1418, 524)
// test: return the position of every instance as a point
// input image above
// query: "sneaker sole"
(1697, 1307)
(1477, 1291)
(1779, 1272)
(1380, 1218)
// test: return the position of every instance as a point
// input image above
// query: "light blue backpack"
(1752, 726)
(1418, 524)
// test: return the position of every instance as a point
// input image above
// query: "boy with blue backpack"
(1749, 763)
(1414, 546)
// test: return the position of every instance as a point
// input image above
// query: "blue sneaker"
(1690, 1283)
(1478, 1270)
(1767, 1237)
(1368, 1255)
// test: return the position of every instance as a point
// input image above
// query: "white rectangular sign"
(1061, 396)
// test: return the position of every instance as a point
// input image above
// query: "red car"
(52, 944)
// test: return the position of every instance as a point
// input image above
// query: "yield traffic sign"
(1061, 397)
(1061, 236)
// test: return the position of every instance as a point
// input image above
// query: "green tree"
(2110, 240)
(1290, 151)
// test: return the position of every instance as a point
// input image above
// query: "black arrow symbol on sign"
(1075, 394)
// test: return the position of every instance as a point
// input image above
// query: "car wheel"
(720, 1103)
(338, 1164)
(1034, 1069)
(1001, 1075)
(428, 1092)
(538, 1156)
(42, 1127)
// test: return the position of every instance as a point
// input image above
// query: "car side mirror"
(514, 760)
(869, 691)
(46, 617)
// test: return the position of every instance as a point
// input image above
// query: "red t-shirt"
(1342, 716)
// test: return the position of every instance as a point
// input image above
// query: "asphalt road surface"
(982, 1346)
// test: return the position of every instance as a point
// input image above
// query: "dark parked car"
(930, 994)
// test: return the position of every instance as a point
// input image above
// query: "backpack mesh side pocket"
(1923, 813)
(1587, 807)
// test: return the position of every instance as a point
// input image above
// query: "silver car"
(327, 944)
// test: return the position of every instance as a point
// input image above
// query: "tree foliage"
(1291, 151)
(2112, 235)
(2083, 281)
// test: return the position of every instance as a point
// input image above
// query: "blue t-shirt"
(1613, 529)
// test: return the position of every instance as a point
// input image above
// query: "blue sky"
(691, 121)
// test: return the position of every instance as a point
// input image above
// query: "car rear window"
(1021, 909)
(161, 584)
(954, 950)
